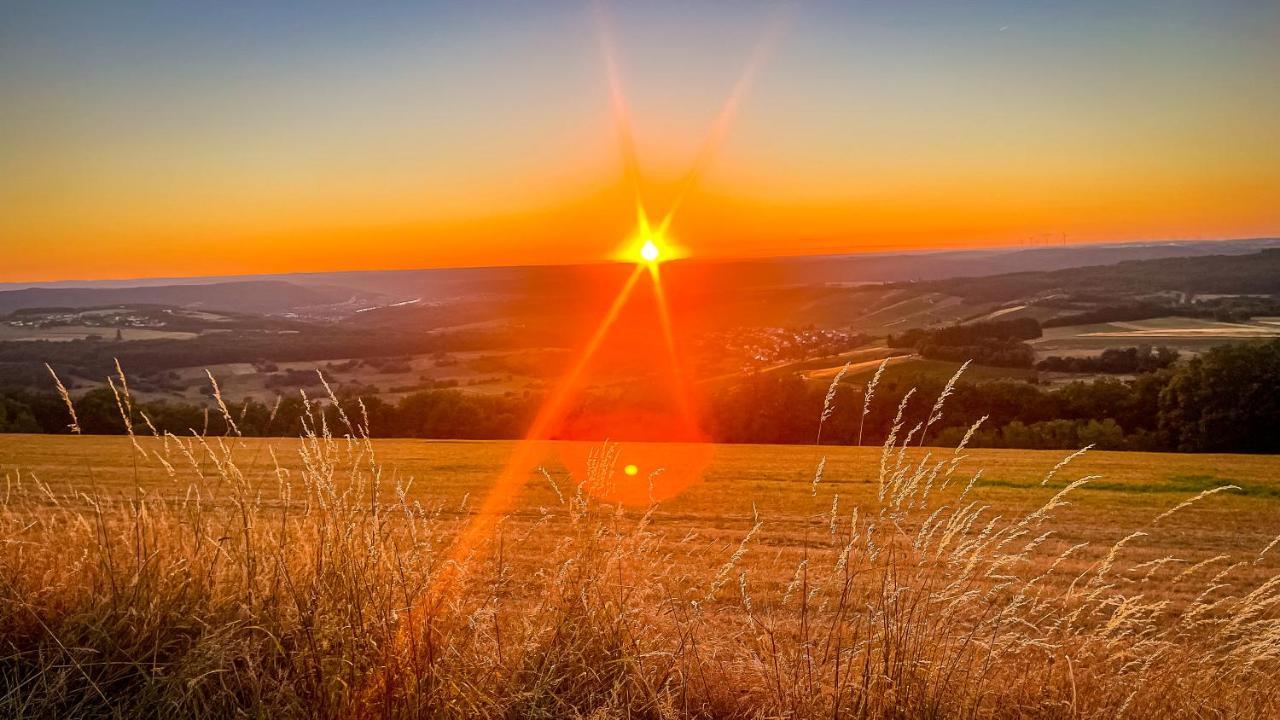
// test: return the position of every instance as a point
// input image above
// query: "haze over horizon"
(183, 140)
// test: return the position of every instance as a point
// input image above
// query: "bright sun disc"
(649, 251)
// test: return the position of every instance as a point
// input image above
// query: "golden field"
(320, 577)
(1130, 488)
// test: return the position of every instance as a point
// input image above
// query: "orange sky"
(184, 141)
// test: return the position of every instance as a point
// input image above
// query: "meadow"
(337, 576)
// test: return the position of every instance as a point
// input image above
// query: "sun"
(649, 248)
(649, 244)
(649, 251)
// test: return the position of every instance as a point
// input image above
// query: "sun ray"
(524, 459)
(725, 117)
(669, 339)
(618, 101)
(525, 456)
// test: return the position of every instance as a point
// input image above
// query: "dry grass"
(249, 584)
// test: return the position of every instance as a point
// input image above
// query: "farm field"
(910, 367)
(475, 372)
(482, 373)
(1191, 335)
(1129, 489)
(419, 575)
(64, 333)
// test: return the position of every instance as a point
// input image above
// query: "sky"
(192, 138)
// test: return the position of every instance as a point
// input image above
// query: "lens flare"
(680, 460)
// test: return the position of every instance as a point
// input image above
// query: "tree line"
(1141, 359)
(1225, 400)
(1000, 343)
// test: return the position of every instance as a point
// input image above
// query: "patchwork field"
(475, 372)
(1185, 334)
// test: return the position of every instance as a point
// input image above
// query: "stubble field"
(1129, 489)
(324, 576)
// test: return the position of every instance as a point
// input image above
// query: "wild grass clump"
(246, 589)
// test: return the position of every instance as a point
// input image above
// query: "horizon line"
(12, 285)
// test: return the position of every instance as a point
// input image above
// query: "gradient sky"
(194, 138)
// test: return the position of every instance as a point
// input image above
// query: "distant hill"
(265, 297)
(447, 284)
(1257, 273)
(979, 263)
(811, 270)
(486, 294)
